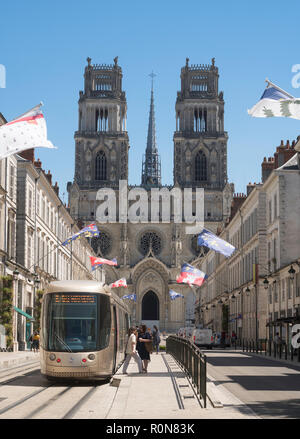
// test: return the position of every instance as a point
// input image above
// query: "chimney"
(49, 177)
(284, 153)
(56, 188)
(237, 201)
(38, 164)
(28, 154)
(250, 188)
(267, 167)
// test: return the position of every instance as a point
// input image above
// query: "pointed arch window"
(101, 166)
(200, 166)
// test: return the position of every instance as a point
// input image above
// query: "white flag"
(276, 102)
(26, 132)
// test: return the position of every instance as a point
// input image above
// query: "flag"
(276, 102)
(191, 275)
(130, 296)
(174, 295)
(88, 232)
(119, 283)
(95, 261)
(210, 240)
(27, 131)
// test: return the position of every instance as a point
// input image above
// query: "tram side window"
(104, 322)
(127, 323)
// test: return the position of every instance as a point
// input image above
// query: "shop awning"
(20, 311)
(281, 320)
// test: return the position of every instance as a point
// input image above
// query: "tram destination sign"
(74, 298)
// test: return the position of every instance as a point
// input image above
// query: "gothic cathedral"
(150, 253)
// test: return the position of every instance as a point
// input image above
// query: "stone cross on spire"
(152, 75)
(151, 164)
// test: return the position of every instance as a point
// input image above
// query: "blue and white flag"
(174, 295)
(130, 297)
(212, 241)
(88, 232)
(276, 102)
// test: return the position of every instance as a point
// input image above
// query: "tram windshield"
(76, 322)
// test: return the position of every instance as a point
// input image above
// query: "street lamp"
(16, 274)
(292, 272)
(266, 283)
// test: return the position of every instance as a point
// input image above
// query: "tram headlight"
(52, 357)
(91, 357)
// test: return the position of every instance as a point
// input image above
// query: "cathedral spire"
(151, 172)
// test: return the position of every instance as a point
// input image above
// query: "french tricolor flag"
(191, 275)
(95, 261)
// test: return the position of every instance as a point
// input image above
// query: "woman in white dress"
(131, 351)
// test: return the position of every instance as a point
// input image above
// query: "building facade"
(150, 252)
(34, 223)
(256, 292)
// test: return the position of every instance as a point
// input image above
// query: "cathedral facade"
(150, 253)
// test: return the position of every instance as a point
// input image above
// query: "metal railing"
(269, 347)
(192, 360)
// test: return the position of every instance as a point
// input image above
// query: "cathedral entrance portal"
(150, 309)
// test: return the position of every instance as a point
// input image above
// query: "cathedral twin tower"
(102, 143)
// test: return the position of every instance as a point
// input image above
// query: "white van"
(188, 331)
(202, 338)
(180, 332)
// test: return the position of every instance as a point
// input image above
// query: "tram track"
(78, 405)
(6, 378)
(43, 409)
(47, 403)
(22, 400)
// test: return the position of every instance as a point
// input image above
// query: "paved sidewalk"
(166, 393)
(10, 359)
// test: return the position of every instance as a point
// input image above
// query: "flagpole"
(33, 108)
(278, 88)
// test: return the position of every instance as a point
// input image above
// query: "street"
(25, 394)
(271, 389)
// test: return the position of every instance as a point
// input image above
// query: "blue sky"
(44, 46)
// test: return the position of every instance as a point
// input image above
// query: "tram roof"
(78, 286)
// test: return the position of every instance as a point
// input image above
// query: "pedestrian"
(31, 341)
(156, 338)
(131, 351)
(36, 341)
(277, 341)
(233, 337)
(144, 352)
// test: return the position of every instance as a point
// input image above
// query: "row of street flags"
(189, 274)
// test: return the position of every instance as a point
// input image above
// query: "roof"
(292, 163)
(76, 286)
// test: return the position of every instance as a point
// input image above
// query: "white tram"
(84, 327)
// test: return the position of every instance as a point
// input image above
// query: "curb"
(211, 393)
(5, 364)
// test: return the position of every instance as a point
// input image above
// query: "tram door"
(115, 322)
